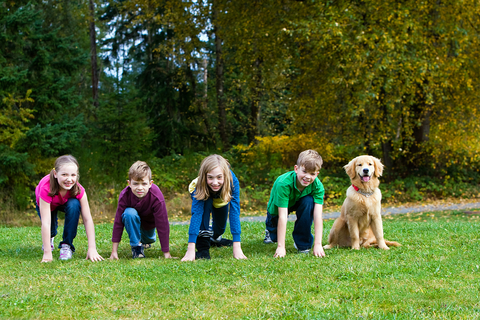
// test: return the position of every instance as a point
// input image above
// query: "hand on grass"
(47, 257)
(114, 256)
(167, 255)
(93, 255)
(237, 251)
(190, 255)
(318, 251)
(280, 253)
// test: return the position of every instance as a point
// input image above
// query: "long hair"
(208, 164)
(54, 186)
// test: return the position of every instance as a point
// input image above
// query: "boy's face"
(304, 177)
(140, 187)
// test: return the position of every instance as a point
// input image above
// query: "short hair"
(310, 160)
(208, 164)
(139, 170)
(59, 163)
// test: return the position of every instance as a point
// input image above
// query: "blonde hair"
(208, 164)
(139, 170)
(310, 160)
(59, 163)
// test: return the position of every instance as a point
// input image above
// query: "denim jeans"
(72, 211)
(302, 231)
(137, 234)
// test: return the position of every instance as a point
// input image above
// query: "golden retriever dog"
(360, 221)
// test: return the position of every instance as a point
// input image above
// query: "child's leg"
(219, 220)
(72, 211)
(147, 236)
(203, 239)
(302, 231)
(131, 220)
(271, 224)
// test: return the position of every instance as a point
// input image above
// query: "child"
(141, 209)
(299, 191)
(61, 191)
(216, 191)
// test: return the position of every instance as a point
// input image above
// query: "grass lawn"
(434, 275)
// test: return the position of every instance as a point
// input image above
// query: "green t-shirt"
(285, 193)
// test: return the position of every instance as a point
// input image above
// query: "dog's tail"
(392, 243)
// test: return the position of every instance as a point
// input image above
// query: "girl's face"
(67, 176)
(215, 179)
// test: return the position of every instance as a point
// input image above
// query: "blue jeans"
(72, 211)
(137, 234)
(302, 231)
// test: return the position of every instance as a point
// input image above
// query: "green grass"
(434, 275)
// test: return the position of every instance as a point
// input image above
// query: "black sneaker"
(137, 252)
(203, 254)
(220, 242)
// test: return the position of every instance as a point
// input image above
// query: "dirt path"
(437, 206)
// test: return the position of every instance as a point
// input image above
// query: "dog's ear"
(378, 167)
(350, 168)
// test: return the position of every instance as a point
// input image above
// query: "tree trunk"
(93, 55)
(220, 79)
(255, 104)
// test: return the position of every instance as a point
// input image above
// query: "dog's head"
(365, 168)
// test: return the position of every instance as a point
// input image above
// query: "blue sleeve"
(234, 217)
(196, 220)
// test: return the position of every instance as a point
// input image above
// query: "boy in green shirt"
(300, 191)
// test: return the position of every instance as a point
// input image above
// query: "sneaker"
(220, 242)
(146, 245)
(204, 254)
(65, 252)
(267, 239)
(306, 251)
(51, 244)
(137, 252)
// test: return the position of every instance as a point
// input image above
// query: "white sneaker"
(51, 244)
(65, 252)
(306, 251)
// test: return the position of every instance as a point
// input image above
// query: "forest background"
(170, 82)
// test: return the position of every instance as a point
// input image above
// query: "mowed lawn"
(434, 275)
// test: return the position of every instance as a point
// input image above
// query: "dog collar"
(366, 194)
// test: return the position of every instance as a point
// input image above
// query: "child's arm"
(281, 232)
(92, 253)
(234, 217)
(114, 254)
(46, 217)
(318, 224)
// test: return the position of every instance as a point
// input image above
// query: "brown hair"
(311, 160)
(54, 186)
(208, 164)
(139, 170)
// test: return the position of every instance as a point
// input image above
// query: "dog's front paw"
(356, 247)
(384, 247)
(326, 247)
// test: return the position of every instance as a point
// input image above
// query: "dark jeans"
(72, 211)
(302, 231)
(219, 223)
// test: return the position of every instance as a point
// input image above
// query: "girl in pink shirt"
(60, 190)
